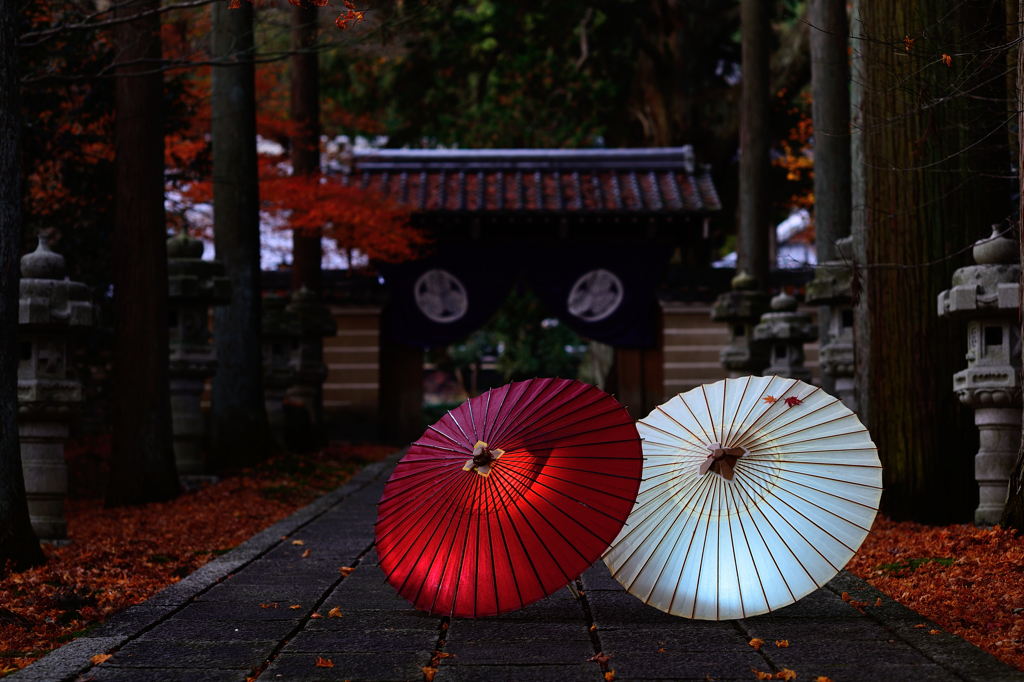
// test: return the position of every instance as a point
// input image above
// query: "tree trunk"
(830, 89)
(752, 237)
(1013, 513)
(142, 466)
(929, 193)
(239, 431)
(305, 142)
(18, 543)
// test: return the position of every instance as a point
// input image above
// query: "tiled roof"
(652, 180)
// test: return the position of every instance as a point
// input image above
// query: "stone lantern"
(832, 288)
(315, 322)
(194, 285)
(281, 337)
(50, 310)
(986, 296)
(741, 309)
(785, 331)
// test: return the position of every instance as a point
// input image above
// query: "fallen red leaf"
(324, 662)
(307, 554)
(335, 612)
(100, 658)
(756, 643)
(785, 674)
(345, 570)
(428, 674)
(600, 658)
(793, 401)
(782, 644)
(762, 675)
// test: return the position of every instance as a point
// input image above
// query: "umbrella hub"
(722, 460)
(483, 456)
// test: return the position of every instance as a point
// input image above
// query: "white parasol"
(756, 492)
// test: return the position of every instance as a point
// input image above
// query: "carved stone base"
(306, 395)
(999, 428)
(187, 424)
(273, 400)
(46, 476)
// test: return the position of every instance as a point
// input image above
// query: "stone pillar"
(281, 335)
(831, 289)
(785, 331)
(194, 286)
(741, 309)
(50, 310)
(315, 322)
(986, 296)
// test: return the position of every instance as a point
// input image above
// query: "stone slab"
(518, 652)
(220, 630)
(370, 619)
(373, 667)
(105, 673)
(517, 630)
(199, 655)
(689, 664)
(590, 672)
(216, 610)
(361, 641)
(255, 594)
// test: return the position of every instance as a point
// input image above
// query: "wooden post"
(401, 392)
(640, 375)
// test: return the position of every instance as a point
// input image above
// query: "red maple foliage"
(966, 579)
(120, 557)
(356, 218)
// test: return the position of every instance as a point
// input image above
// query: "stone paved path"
(250, 612)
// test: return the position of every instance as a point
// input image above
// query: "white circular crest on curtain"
(595, 295)
(441, 296)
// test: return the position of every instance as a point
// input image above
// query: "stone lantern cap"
(991, 288)
(192, 279)
(743, 304)
(784, 323)
(46, 299)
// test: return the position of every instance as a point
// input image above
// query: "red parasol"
(508, 498)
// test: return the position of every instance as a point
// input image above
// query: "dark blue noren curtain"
(605, 293)
(447, 296)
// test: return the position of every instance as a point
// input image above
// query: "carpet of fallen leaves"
(968, 580)
(120, 557)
